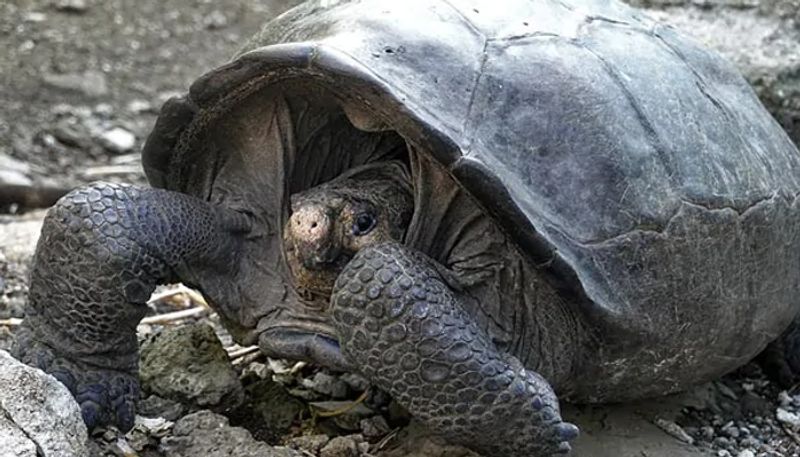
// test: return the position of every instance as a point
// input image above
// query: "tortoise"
(482, 210)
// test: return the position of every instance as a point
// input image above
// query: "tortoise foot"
(404, 328)
(106, 396)
(103, 249)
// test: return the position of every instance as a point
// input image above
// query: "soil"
(113, 61)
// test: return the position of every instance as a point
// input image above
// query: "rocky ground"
(82, 81)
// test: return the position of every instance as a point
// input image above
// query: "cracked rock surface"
(38, 417)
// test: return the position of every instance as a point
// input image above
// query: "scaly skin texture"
(403, 324)
(103, 250)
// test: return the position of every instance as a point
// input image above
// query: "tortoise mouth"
(300, 343)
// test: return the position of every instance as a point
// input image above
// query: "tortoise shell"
(635, 169)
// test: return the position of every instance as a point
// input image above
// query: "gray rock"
(274, 405)
(89, 83)
(155, 406)
(326, 384)
(209, 435)
(188, 364)
(341, 446)
(374, 428)
(15, 442)
(14, 172)
(72, 6)
(310, 443)
(788, 418)
(42, 409)
(216, 20)
(117, 140)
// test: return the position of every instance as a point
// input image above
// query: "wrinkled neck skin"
(330, 223)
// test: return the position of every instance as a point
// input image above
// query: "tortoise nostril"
(314, 225)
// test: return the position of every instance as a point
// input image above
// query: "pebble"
(327, 385)
(675, 430)
(746, 453)
(341, 446)
(139, 106)
(117, 140)
(788, 418)
(310, 443)
(72, 6)
(89, 83)
(374, 428)
(784, 398)
(215, 20)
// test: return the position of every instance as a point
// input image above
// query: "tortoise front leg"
(102, 251)
(404, 327)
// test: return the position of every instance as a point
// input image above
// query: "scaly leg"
(404, 328)
(102, 251)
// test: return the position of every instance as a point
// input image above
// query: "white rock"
(15, 443)
(41, 408)
(118, 140)
(746, 453)
(784, 398)
(788, 418)
(72, 6)
(90, 83)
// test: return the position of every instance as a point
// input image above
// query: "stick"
(13, 322)
(106, 170)
(180, 289)
(174, 316)
(345, 409)
(235, 353)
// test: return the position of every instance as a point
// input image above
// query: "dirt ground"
(113, 62)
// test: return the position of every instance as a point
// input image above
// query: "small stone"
(209, 435)
(784, 398)
(722, 442)
(341, 446)
(89, 83)
(216, 20)
(730, 430)
(707, 432)
(723, 453)
(675, 430)
(356, 382)
(188, 364)
(273, 403)
(310, 443)
(71, 133)
(327, 385)
(746, 453)
(117, 140)
(34, 16)
(155, 406)
(139, 106)
(374, 428)
(72, 6)
(788, 418)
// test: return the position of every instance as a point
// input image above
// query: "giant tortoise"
(481, 207)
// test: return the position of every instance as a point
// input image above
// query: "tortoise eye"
(364, 224)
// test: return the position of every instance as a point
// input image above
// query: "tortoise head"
(330, 223)
(326, 226)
